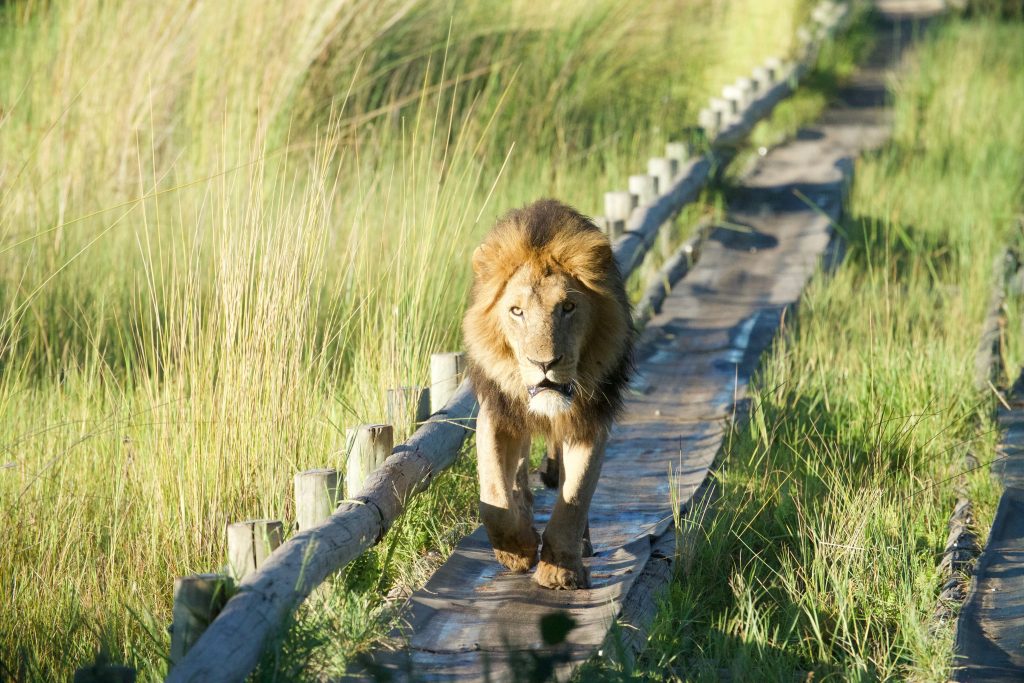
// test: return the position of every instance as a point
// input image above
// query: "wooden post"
(316, 496)
(822, 13)
(368, 447)
(747, 89)
(839, 15)
(734, 97)
(408, 403)
(645, 187)
(773, 65)
(446, 370)
(723, 112)
(105, 673)
(198, 599)
(664, 169)
(710, 121)
(804, 40)
(617, 207)
(762, 76)
(680, 151)
(789, 70)
(250, 544)
(601, 222)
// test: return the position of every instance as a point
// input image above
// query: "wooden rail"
(271, 586)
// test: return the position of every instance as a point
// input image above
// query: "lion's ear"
(480, 260)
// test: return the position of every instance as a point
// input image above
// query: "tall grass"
(226, 226)
(821, 558)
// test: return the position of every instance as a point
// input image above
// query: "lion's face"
(548, 325)
(545, 315)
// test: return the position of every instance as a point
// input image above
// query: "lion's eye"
(568, 307)
(516, 311)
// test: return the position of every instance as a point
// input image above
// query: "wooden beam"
(232, 644)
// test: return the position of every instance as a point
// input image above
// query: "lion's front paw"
(562, 576)
(518, 554)
(516, 562)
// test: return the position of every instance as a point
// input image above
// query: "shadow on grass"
(871, 241)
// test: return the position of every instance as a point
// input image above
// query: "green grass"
(820, 556)
(216, 221)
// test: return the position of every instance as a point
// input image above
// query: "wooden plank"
(990, 629)
(697, 357)
(851, 109)
(232, 645)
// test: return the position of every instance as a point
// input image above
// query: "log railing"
(217, 639)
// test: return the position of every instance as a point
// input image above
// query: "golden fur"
(549, 340)
(543, 236)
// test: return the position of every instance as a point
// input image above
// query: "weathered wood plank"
(697, 358)
(990, 629)
(641, 602)
(232, 645)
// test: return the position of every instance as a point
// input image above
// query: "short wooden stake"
(746, 88)
(763, 78)
(406, 404)
(804, 40)
(734, 96)
(680, 151)
(368, 447)
(773, 65)
(723, 112)
(250, 543)
(618, 206)
(840, 13)
(446, 370)
(105, 673)
(710, 121)
(317, 493)
(198, 599)
(645, 187)
(664, 169)
(601, 223)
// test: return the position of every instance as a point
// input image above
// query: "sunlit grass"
(822, 555)
(226, 227)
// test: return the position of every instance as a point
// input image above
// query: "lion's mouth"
(548, 385)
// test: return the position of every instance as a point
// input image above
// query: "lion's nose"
(545, 365)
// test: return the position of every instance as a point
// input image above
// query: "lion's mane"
(549, 233)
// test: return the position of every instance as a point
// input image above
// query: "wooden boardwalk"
(473, 620)
(990, 630)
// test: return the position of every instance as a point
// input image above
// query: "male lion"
(549, 344)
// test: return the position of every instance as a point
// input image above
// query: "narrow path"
(990, 630)
(473, 619)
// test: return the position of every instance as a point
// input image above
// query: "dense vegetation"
(226, 226)
(820, 559)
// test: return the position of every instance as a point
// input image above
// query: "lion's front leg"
(561, 557)
(506, 502)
